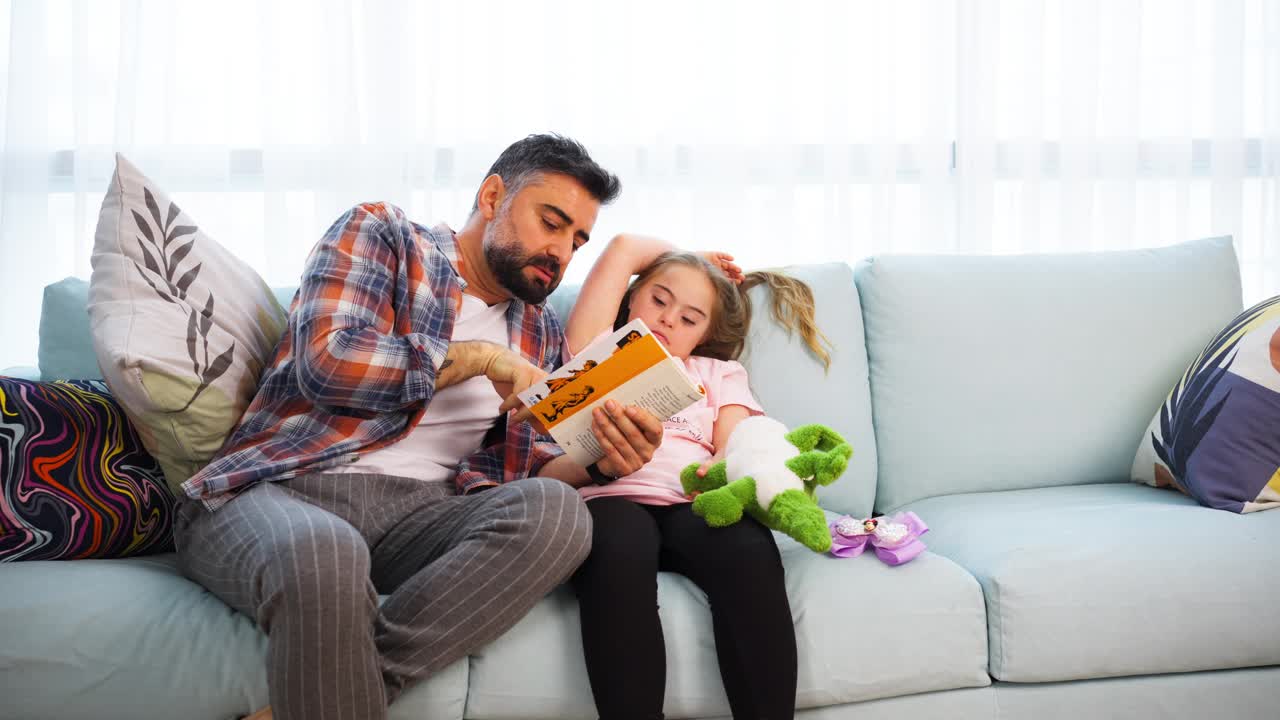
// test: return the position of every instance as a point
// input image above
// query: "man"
(378, 456)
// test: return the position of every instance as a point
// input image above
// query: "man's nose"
(562, 251)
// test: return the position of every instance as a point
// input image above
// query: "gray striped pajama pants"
(306, 559)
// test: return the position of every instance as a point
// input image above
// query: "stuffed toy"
(774, 475)
(896, 539)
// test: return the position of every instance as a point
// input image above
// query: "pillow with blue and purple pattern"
(1216, 436)
(75, 481)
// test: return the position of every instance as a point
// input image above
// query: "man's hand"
(629, 437)
(511, 374)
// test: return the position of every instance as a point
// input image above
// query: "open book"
(628, 366)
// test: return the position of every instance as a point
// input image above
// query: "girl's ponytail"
(793, 308)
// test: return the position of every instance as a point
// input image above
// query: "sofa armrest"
(22, 372)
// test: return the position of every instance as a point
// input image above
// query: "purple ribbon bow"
(896, 539)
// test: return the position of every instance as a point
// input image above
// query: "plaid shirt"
(356, 369)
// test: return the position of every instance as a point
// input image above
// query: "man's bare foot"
(263, 714)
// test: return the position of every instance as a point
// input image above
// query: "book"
(628, 366)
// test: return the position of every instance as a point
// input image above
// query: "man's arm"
(347, 352)
(474, 358)
(567, 469)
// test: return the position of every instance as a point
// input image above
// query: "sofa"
(1001, 399)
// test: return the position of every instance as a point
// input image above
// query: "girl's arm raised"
(606, 283)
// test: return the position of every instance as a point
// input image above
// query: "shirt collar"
(446, 241)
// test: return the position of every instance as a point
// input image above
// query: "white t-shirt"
(458, 416)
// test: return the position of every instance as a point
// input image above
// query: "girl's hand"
(702, 472)
(724, 261)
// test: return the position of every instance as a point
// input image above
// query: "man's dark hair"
(526, 159)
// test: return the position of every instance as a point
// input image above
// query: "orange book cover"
(628, 366)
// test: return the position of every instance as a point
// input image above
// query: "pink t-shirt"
(686, 437)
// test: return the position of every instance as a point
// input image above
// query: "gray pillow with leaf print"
(181, 327)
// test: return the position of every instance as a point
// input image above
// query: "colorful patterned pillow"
(75, 482)
(181, 327)
(1217, 436)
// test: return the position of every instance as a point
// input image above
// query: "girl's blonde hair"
(793, 307)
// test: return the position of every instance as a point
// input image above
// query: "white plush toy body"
(759, 448)
(772, 474)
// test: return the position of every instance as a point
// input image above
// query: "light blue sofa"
(1000, 398)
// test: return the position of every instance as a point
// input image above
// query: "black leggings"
(739, 569)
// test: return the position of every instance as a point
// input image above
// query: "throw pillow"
(181, 327)
(75, 482)
(1215, 438)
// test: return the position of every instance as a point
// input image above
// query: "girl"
(696, 305)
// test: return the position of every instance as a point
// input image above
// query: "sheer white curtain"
(785, 132)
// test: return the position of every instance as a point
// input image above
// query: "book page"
(628, 366)
(663, 389)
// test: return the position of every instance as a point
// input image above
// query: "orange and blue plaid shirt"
(356, 369)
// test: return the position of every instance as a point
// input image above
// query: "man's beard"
(507, 261)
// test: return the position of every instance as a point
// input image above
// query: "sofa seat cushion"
(1106, 580)
(133, 638)
(863, 630)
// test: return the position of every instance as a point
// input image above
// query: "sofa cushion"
(68, 354)
(132, 638)
(1105, 580)
(181, 327)
(1247, 694)
(66, 350)
(75, 481)
(284, 296)
(778, 363)
(1214, 437)
(863, 630)
(1008, 372)
(792, 386)
(22, 372)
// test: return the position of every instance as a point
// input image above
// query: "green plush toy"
(775, 474)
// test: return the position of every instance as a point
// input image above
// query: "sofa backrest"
(1009, 372)
(66, 346)
(786, 378)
